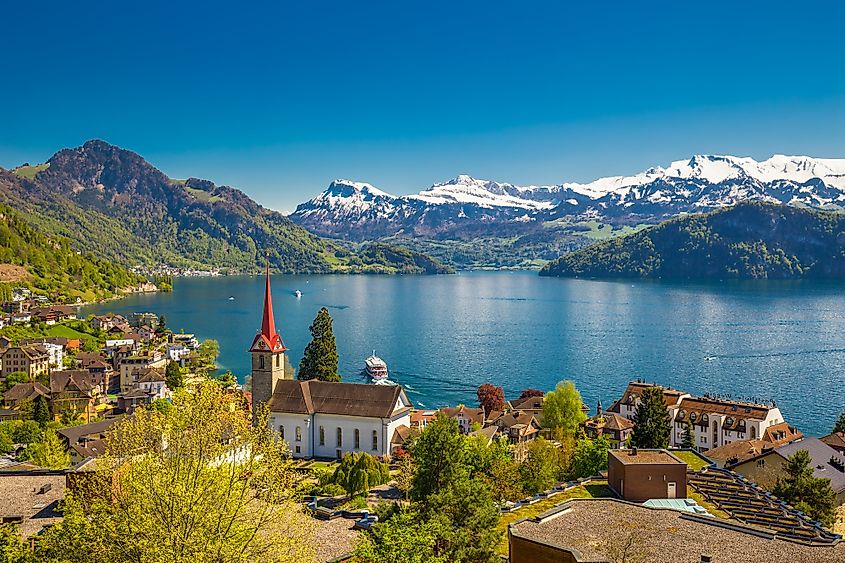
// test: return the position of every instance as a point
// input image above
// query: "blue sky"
(279, 99)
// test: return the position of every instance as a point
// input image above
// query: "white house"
(177, 353)
(320, 419)
(716, 422)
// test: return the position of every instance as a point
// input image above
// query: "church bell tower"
(268, 353)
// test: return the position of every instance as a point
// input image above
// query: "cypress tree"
(688, 441)
(652, 426)
(840, 423)
(320, 358)
(41, 411)
(173, 377)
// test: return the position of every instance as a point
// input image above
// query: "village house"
(533, 405)
(33, 360)
(467, 417)
(420, 419)
(835, 440)
(106, 323)
(177, 353)
(24, 393)
(53, 314)
(766, 468)
(517, 426)
(75, 391)
(739, 451)
(86, 440)
(321, 419)
(55, 347)
(140, 319)
(189, 341)
(627, 405)
(131, 367)
(615, 427)
(716, 422)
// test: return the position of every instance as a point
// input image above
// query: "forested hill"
(51, 265)
(748, 241)
(112, 202)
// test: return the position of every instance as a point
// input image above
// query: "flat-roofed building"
(639, 475)
(603, 530)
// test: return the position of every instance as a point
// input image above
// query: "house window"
(322, 436)
(357, 439)
(375, 440)
(298, 433)
(297, 449)
(339, 437)
(279, 357)
(282, 431)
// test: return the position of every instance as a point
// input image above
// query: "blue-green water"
(442, 336)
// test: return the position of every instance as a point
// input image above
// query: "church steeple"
(268, 352)
(271, 339)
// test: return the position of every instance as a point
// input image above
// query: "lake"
(442, 336)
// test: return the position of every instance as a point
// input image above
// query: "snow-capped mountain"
(704, 182)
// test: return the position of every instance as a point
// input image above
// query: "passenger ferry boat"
(376, 368)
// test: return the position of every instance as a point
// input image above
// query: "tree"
(49, 452)
(688, 441)
(811, 495)
(540, 469)
(530, 392)
(467, 518)
(200, 483)
(173, 377)
(12, 547)
(26, 432)
(209, 350)
(16, 377)
(438, 456)
(840, 423)
(590, 457)
(652, 424)
(562, 409)
(405, 476)
(358, 473)
(491, 398)
(41, 410)
(319, 360)
(404, 538)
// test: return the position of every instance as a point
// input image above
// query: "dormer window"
(692, 417)
(705, 419)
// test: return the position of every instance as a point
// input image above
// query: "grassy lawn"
(203, 195)
(66, 332)
(596, 489)
(693, 461)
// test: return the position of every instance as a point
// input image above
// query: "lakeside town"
(360, 464)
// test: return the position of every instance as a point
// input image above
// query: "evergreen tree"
(439, 456)
(652, 426)
(688, 441)
(41, 411)
(840, 423)
(173, 376)
(320, 358)
(358, 473)
(805, 492)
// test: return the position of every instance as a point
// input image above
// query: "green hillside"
(748, 241)
(51, 266)
(112, 203)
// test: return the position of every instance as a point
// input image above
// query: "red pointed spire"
(268, 326)
(268, 335)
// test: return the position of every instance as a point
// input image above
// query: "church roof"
(325, 397)
(268, 338)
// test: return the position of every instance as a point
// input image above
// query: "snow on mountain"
(701, 183)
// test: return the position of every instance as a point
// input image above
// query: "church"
(321, 419)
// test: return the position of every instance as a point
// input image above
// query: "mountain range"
(532, 224)
(111, 202)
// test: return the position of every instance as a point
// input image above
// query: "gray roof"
(820, 454)
(350, 399)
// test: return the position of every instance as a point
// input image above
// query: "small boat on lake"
(297, 293)
(231, 298)
(376, 368)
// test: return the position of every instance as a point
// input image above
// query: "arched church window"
(322, 436)
(339, 437)
(282, 431)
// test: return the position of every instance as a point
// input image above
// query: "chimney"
(705, 558)
(634, 450)
(598, 408)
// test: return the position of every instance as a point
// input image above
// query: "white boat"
(376, 368)
(297, 293)
(231, 298)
